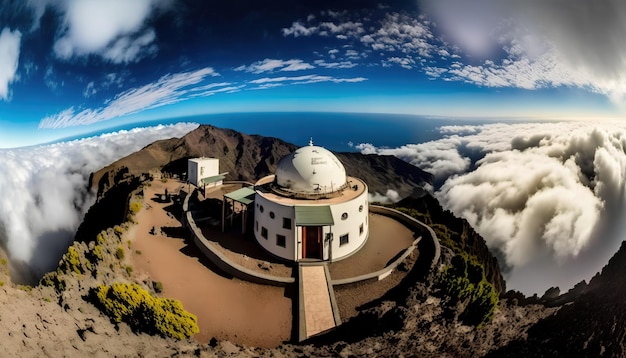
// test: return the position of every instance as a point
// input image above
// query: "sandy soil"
(227, 308)
(387, 238)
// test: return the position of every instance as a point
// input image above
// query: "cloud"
(171, 88)
(115, 30)
(547, 44)
(9, 58)
(333, 65)
(440, 158)
(306, 79)
(548, 197)
(44, 198)
(270, 65)
(391, 196)
(530, 45)
(340, 29)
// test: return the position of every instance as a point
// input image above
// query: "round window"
(344, 216)
(261, 208)
(361, 208)
(271, 214)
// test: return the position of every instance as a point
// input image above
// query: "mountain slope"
(250, 157)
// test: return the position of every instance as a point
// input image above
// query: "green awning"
(314, 216)
(213, 179)
(243, 195)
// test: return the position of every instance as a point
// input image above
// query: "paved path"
(318, 312)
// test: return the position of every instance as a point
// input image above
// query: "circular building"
(310, 209)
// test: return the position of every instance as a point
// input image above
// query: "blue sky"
(69, 67)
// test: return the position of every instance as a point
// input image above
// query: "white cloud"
(44, 199)
(9, 58)
(171, 88)
(340, 29)
(306, 79)
(548, 196)
(270, 65)
(391, 196)
(340, 64)
(114, 29)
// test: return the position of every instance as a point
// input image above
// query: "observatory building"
(310, 208)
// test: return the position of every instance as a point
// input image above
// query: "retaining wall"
(210, 250)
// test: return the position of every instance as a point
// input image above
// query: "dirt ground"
(227, 308)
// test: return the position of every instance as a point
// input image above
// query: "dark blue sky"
(69, 67)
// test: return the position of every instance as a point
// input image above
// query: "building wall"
(293, 236)
(349, 226)
(200, 168)
(274, 227)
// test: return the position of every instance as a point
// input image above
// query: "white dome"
(311, 169)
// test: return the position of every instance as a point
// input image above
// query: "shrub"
(464, 280)
(142, 312)
(157, 286)
(52, 279)
(135, 207)
(4, 262)
(119, 253)
(71, 261)
(118, 230)
(137, 252)
(1, 283)
(129, 270)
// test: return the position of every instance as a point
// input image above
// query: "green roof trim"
(213, 179)
(244, 195)
(314, 216)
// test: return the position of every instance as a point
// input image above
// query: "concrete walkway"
(318, 310)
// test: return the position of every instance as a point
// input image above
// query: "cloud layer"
(43, 190)
(547, 196)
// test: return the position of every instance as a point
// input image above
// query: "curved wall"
(269, 216)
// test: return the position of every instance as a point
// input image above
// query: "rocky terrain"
(250, 157)
(416, 318)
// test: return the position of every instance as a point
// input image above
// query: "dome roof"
(311, 169)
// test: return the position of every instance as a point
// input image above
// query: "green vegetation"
(52, 279)
(26, 288)
(129, 270)
(164, 180)
(137, 252)
(157, 286)
(1, 283)
(3, 262)
(129, 243)
(118, 230)
(142, 312)
(71, 262)
(464, 280)
(135, 207)
(119, 253)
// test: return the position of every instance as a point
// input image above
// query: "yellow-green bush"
(132, 304)
(135, 207)
(71, 261)
(52, 279)
(119, 253)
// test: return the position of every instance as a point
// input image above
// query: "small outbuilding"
(204, 172)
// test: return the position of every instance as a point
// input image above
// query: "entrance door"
(313, 243)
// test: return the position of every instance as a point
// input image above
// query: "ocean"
(335, 131)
